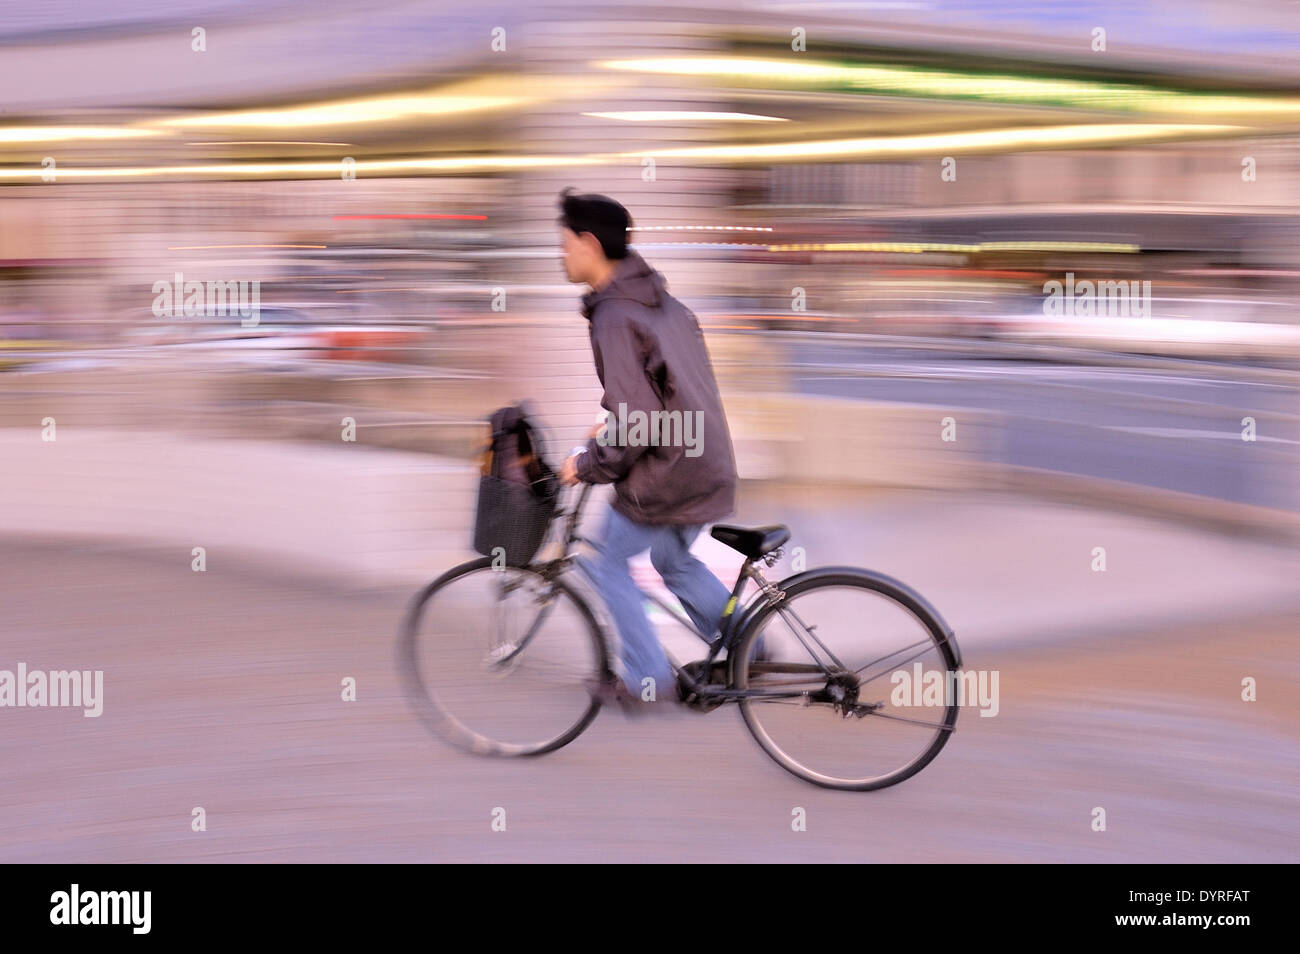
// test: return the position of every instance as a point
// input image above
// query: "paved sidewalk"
(1002, 569)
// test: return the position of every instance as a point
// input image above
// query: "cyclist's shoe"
(634, 707)
(611, 691)
(606, 689)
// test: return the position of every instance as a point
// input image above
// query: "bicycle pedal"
(717, 671)
(693, 699)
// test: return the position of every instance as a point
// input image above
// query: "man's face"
(579, 256)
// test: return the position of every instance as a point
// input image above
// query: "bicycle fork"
(504, 652)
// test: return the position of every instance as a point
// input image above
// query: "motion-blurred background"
(865, 203)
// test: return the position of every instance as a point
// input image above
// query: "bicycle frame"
(732, 620)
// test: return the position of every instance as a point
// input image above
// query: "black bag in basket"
(517, 491)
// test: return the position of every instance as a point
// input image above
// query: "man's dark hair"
(601, 216)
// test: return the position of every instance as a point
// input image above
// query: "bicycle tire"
(433, 709)
(900, 594)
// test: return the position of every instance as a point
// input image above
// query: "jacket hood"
(634, 279)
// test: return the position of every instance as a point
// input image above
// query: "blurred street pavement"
(222, 690)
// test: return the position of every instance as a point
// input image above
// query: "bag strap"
(535, 433)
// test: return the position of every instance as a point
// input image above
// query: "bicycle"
(790, 691)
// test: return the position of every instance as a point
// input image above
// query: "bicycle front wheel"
(851, 688)
(495, 659)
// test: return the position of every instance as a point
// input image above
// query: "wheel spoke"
(936, 726)
(928, 647)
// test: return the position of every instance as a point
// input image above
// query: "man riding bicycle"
(666, 449)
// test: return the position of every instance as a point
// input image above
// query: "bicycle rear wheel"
(833, 699)
(494, 659)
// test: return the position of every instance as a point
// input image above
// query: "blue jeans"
(702, 595)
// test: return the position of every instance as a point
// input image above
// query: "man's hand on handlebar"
(569, 469)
